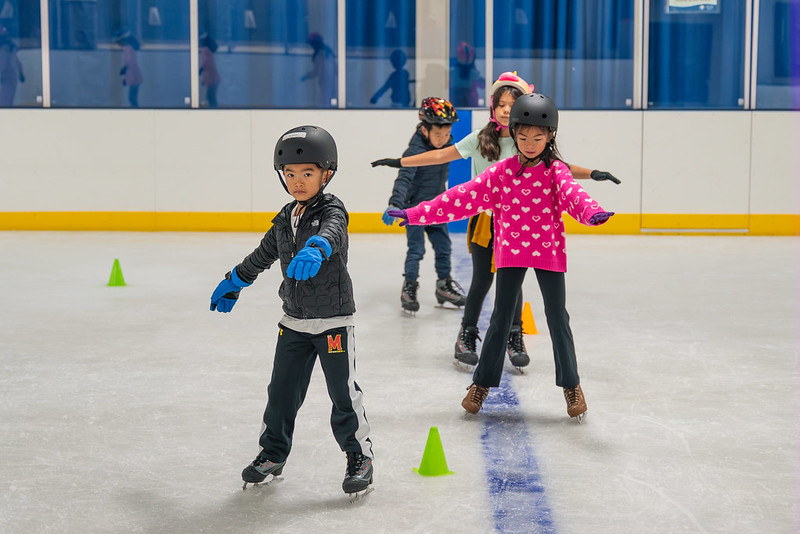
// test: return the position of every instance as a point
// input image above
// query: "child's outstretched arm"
(573, 199)
(582, 173)
(431, 157)
(227, 292)
(457, 203)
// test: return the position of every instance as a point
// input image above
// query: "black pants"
(482, 278)
(509, 281)
(295, 355)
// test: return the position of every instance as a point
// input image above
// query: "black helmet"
(437, 111)
(534, 109)
(306, 144)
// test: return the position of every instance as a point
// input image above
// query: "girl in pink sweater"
(528, 194)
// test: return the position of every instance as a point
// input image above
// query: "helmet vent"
(544, 115)
(299, 151)
(280, 152)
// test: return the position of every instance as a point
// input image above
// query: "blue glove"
(398, 214)
(388, 220)
(224, 297)
(599, 218)
(308, 261)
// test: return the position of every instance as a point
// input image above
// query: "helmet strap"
(492, 118)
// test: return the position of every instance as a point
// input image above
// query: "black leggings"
(482, 278)
(509, 282)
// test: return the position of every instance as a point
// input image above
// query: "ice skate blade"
(270, 482)
(409, 313)
(359, 495)
(461, 366)
(580, 417)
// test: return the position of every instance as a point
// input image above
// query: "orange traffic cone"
(528, 324)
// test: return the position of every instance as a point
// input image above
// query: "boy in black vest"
(309, 238)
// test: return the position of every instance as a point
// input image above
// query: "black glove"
(21, 78)
(123, 70)
(603, 175)
(388, 162)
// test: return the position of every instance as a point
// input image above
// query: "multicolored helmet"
(511, 79)
(436, 110)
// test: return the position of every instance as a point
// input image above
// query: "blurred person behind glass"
(10, 69)
(324, 70)
(398, 81)
(209, 75)
(130, 72)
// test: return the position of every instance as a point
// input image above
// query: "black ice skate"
(256, 472)
(516, 348)
(408, 296)
(448, 290)
(358, 475)
(466, 354)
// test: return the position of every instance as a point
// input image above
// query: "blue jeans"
(440, 240)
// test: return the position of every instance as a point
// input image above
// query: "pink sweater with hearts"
(528, 230)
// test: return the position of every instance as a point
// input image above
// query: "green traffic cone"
(433, 462)
(116, 279)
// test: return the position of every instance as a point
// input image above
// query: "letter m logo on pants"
(335, 343)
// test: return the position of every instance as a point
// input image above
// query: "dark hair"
(488, 137)
(550, 152)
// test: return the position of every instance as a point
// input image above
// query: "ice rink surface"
(134, 409)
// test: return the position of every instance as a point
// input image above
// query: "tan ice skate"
(576, 403)
(474, 399)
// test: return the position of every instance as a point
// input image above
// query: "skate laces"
(515, 341)
(468, 338)
(477, 394)
(411, 289)
(355, 461)
(452, 286)
(572, 395)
